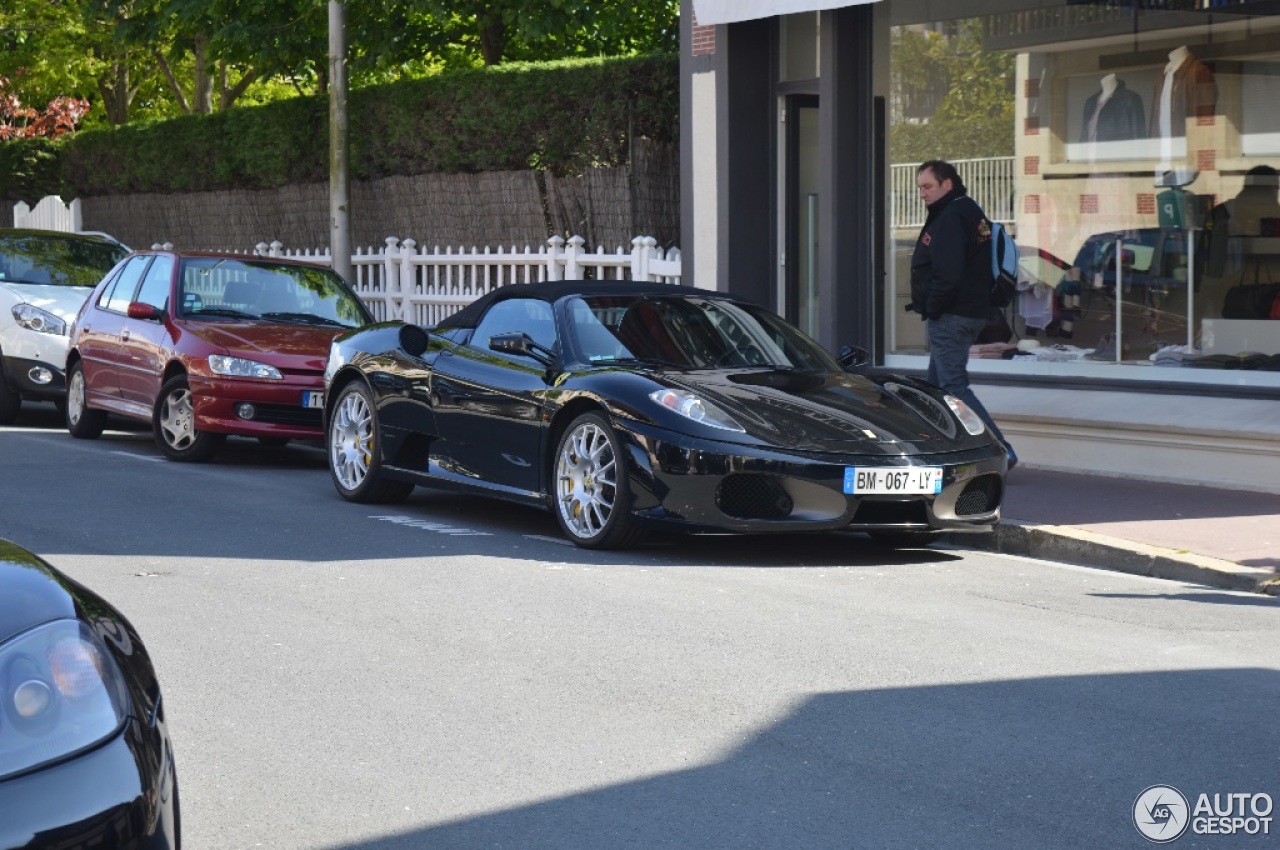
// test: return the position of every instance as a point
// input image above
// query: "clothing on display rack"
(1186, 88)
(1113, 113)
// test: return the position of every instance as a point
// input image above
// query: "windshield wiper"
(223, 311)
(305, 318)
(645, 361)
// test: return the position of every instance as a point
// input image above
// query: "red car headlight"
(60, 694)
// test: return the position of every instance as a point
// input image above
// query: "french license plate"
(888, 481)
(311, 398)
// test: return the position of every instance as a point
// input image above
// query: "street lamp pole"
(339, 143)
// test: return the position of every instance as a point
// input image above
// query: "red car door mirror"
(140, 310)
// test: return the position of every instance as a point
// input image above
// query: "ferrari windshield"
(689, 333)
(251, 289)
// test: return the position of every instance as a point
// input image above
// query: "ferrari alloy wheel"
(174, 423)
(592, 500)
(82, 422)
(353, 450)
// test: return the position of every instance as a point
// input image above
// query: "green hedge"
(560, 116)
(29, 170)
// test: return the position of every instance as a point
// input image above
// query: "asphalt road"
(448, 673)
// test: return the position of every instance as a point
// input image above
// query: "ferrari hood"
(834, 412)
(291, 346)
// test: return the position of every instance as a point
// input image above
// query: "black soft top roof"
(554, 290)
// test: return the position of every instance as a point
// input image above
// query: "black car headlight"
(698, 409)
(61, 694)
(40, 321)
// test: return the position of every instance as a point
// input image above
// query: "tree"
(25, 122)
(499, 30)
(951, 97)
(71, 49)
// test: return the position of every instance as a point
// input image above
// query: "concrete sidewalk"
(1222, 538)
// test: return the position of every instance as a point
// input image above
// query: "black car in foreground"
(626, 405)
(85, 758)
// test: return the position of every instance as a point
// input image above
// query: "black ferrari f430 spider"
(622, 406)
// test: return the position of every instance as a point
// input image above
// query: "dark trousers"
(950, 337)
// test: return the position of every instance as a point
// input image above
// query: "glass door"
(800, 119)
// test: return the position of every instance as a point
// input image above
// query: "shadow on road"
(1043, 763)
(257, 502)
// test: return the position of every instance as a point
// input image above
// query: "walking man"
(951, 282)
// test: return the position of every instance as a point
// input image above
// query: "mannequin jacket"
(1195, 94)
(1121, 117)
(951, 265)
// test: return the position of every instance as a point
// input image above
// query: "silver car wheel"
(75, 397)
(586, 482)
(177, 419)
(351, 441)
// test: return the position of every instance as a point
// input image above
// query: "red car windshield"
(213, 287)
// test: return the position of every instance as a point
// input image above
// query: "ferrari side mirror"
(852, 357)
(521, 344)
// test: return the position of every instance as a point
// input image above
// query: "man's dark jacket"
(951, 266)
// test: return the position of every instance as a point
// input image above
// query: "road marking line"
(136, 456)
(427, 525)
(545, 539)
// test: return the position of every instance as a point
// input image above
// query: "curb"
(1070, 545)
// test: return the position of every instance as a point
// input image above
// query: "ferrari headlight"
(690, 406)
(971, 421)
(60, 693)
(238, 367)
(40, 321)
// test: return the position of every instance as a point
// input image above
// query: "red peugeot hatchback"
(206, 345)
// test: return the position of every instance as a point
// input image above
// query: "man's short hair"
(941, 169)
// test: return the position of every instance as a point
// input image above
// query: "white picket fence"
(49, 214)
(402, 281)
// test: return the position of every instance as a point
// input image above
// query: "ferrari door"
(489, 405)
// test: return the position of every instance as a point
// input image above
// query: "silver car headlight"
(971, 421)
(60, 693)
(692, 407)
(239, 367)
(40, 321)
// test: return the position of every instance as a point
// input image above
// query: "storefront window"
(1134, 151)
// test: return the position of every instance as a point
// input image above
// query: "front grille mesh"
(871, 512)
(286, 415)
(748, 496)
(980, 496)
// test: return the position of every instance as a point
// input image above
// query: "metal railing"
(989, 181)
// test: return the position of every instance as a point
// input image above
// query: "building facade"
(1132, 147)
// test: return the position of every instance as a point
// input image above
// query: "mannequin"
(1113, 113)
(1185, 89)
(1109, 84)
